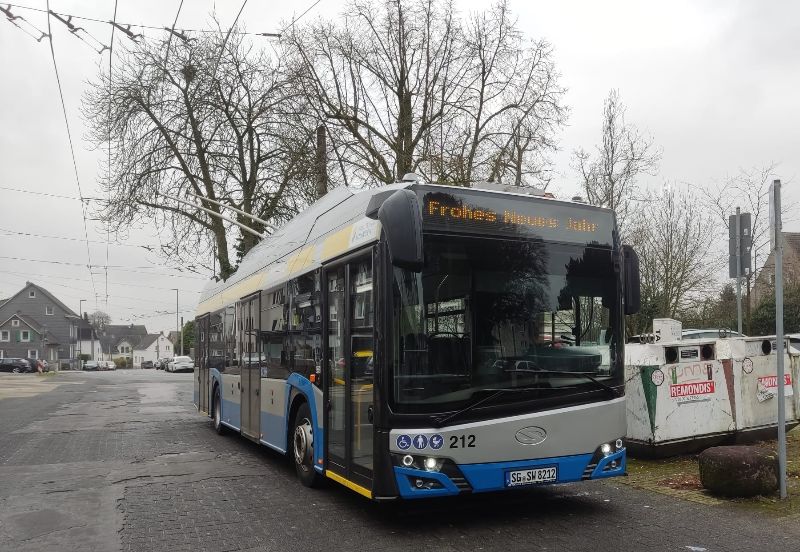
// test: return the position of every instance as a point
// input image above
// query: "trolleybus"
(422, 340)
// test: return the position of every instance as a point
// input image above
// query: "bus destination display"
(474, 212)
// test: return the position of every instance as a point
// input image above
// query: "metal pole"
(738, 271)
(213, 214)
(177, 327)
(779, 335)
(181, 336)
(234, 209)
(80, 347)
(322, 162)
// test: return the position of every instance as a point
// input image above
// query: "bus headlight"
(605, 448)
(432, 464)
(408, 460)
(619, 444)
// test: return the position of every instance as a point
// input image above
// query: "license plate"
(531, 476)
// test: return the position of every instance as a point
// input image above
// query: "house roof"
(30, 322)
(792, 239)
(44, 292)
(146, 341)
(124, 330)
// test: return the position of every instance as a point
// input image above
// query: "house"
(88, 341)
(764, 285)
(112, 335)
(149, 347)
(34, 323)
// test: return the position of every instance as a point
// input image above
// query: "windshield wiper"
(494, 393)
(611, 391)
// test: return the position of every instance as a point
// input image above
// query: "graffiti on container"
(692, 383)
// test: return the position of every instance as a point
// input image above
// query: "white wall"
(84, 347)
(158, 349)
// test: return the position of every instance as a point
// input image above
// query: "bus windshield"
(488, 314)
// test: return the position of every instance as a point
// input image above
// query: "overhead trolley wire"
(71, 148)
(126, 26)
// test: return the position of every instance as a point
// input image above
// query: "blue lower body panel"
(414, 483)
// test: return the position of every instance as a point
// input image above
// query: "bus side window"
(273, 335)
(306, 324)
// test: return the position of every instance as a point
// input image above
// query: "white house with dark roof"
(149, 347)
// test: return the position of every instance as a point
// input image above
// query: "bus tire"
(303, 447)
(217, 414)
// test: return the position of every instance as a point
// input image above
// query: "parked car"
(109, 365)
(14, 365)
(147, 365)
(161, 364)
(91, 365)
(709, 333)
(180, 364)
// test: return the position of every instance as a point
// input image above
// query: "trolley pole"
(777, 246)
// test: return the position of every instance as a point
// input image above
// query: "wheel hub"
(303, 443)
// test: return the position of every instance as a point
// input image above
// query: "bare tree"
(749, 190)
(408, 86)
(671, 238)
(99, 320)
(609, 175)
(206, 116)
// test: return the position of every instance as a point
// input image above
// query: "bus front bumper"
(497, 476)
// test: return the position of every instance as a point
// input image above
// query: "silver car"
(180, 364)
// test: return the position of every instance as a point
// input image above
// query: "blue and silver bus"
(420, 340)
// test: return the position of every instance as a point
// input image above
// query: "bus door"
(250, 365)
(201, 355)
(350, 370)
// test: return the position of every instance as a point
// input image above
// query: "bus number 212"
(462, 441)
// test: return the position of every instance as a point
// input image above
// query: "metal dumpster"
(753, 363)
(678, 397)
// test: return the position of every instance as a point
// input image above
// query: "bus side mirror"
(401, 220)
(631, 280)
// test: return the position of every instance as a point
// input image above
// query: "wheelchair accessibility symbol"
(403, 442)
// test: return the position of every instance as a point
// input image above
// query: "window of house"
(48, 311)
(25, 335)
(2, 353)
(15, 323)
(5, 335)
(31, 294)
(33, 353)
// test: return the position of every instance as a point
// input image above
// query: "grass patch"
(679, 476)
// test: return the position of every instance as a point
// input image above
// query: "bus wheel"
(303, 447)
(218, 427)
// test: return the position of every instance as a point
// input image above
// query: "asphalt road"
(121, 461)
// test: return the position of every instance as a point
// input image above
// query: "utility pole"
(181, 336)
(321, 187)
(177, 311)
(80, 347)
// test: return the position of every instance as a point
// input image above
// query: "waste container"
(753, 361)
(678, 398)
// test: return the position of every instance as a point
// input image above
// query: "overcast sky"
(714, 83)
